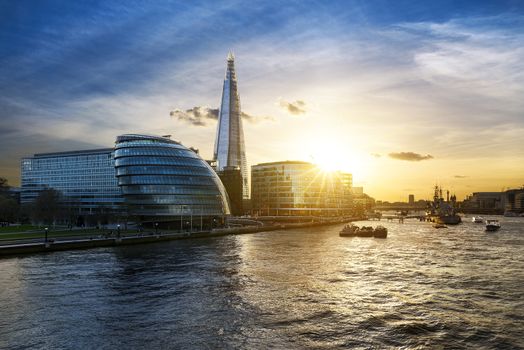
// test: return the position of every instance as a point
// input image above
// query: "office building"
(295, 188)
(166, 183)
(86, 180)
(229, 148)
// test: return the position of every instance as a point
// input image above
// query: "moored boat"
(364, 231)
(349, 231)
(380, 232)
(442, 211)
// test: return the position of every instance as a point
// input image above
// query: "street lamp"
(118, 230)
(46, 229)
(156, 228)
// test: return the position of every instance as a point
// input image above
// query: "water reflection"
(458, 287)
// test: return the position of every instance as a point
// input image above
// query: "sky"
(402, 94)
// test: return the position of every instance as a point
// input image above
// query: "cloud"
(460, 176)
(376, 155)
(200, 116)
(296, 108)
(255, 119)
(410, 156)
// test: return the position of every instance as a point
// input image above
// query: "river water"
(307, 288)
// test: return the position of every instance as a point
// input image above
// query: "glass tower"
(229, 143)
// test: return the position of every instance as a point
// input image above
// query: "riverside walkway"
(38, 245)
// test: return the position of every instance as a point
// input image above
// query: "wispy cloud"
(460, 176)
(410, 156)
(200, 116)
(296, 108)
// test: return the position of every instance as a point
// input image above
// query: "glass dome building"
(166, 183)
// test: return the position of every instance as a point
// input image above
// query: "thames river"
(307, 288)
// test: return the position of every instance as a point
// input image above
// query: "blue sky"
(431, 77)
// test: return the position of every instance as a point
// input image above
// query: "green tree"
(9, 207)
(47, 206)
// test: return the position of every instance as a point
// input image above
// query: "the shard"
(229, 143)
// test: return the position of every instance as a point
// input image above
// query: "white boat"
(492, 225)
(477, 219)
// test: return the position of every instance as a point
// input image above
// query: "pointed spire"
(230, 56)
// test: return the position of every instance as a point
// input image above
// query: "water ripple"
(420, 288)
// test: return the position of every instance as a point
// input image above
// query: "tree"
(47, 206)
(9, 207)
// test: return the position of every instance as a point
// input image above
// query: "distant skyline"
(401, 94)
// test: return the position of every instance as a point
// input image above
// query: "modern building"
(411, 199)
(86, 180)
(229, 143)
(166, 183)
(296, 188)
(231, 177)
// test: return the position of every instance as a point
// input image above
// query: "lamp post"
(118, 230)
(46, 230)
(156, 228)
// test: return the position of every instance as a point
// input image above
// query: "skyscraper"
(229, 143)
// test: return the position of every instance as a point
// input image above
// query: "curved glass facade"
(163, 181)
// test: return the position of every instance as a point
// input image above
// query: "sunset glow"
(400, 102)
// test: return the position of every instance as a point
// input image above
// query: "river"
(292, 289)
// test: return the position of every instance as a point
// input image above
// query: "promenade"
(94, 239)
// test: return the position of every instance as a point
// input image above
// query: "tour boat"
(492, 225)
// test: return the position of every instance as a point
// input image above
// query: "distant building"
(86, 179)
(229, 143)
(487, 201)
(231, 177)
(514, 200)
(519, 201)
(411, 199)
(295, 188)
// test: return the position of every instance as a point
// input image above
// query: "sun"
(328, 162)
(330, 157)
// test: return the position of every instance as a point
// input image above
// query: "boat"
(492, 225)
(452, 219)
(380, 232)
(477, 219)
(349, 231)
(440, 226)
(442, 211)
(364, 231)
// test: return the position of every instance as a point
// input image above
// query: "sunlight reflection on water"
(458, 287)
